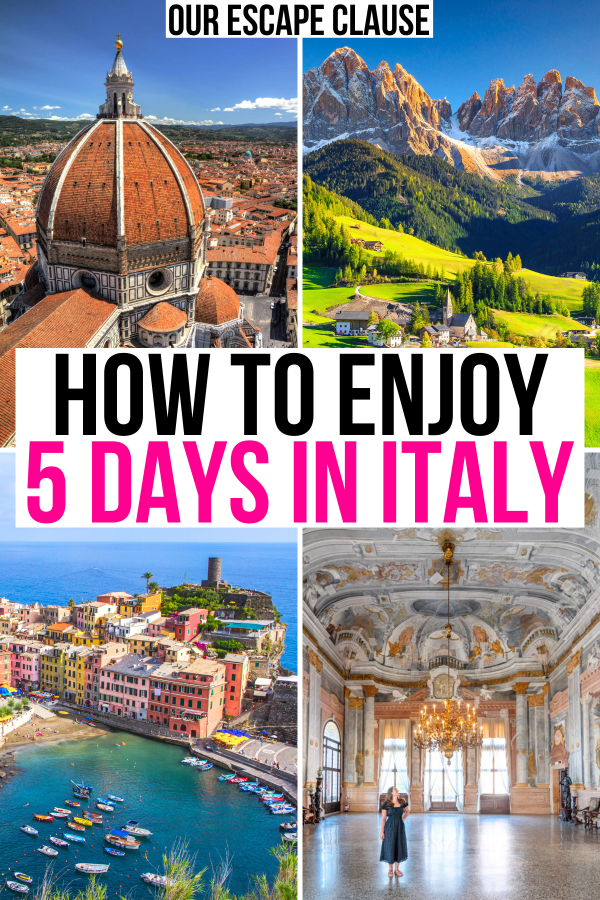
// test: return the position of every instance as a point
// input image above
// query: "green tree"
(147, 576)
(71, 603)
(386, 328)
(373, 318)
(425, 340)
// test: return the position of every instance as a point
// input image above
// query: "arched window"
(114, 104)
(123, 109)
(332, 767)
(157, 341)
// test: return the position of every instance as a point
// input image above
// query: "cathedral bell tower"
(119, 90)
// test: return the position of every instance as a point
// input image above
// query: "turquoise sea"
(175, 802)
(53, 572)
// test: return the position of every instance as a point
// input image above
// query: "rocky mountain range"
(546, 128)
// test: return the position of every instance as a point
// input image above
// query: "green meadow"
(526, 325)
(592, 403)
(566, 289)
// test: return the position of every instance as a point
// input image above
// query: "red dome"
(120, 178)
(216, 302)
(163, 317)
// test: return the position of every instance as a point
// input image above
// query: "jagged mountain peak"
(535, 126)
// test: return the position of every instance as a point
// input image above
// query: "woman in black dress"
(393, 833)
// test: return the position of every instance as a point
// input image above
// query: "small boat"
(122, 839)
(247, 785)
(283, 810)
(82, 820)
(117, 745)
(291, 837)
(29, 830)
(47, 851)
(57, 842)
(205, 768)
(115, 799)
(23, 877)
(155, 880)
(72, 803)
(74, 827)
(92, 868)
(82, 795)
(17, 887)
(289, 826)
(138, 832)
(42, 818)
(237, 780)
(94, 818)
(199, 762)
(188, 760)
(60, 815)
(73, 837)
(104, 800)
(114, 852)
(269, 799)
(105, 807)
(59, 809)
(226, 777)
(82, 787)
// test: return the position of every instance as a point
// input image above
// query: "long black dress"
(393, 846)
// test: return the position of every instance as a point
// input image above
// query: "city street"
(272, 322)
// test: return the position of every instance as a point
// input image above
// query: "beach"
(43, 731)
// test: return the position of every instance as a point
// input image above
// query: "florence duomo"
(122, 242)
(460, 666)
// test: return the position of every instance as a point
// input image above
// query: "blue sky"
(57, 55)
(474, 42)
(8, 532)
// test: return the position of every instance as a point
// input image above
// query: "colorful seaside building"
(95, 659)
(92, 612)
(236, 673)
(52, 667)
(25, 664)
(188, 698)
(189, 624)
(5, 665)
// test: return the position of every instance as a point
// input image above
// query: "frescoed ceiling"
(382, 594)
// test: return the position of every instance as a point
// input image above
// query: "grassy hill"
(527, 325)
(592, 403)
(568, 290)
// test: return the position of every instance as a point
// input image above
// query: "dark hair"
(388, 803)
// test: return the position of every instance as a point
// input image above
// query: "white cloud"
(46, 107)
(266, 103)
(7, 107)
(22, 110)
(216, 109)
(165, 121)
(71, 118)
(278, 114)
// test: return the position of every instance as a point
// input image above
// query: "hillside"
(16, 131)
(430, 198)
(566, 290)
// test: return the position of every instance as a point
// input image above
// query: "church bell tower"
(447, 311)
(119, 90)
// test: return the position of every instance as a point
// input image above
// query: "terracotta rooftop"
(154, 199)
(67, 319)
(163, 317)
(216, 302)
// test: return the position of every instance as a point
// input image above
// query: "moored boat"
(72, 803)
(82, 820)
(29, 830)
(74, 827)
(226, 777)
(23, 877)
(105, 800)
(59, 809)
(114, 852)
(42, 818)
(83, 787)
(47, 851)
(105, 807)
(121, 839)
(291, 837)
(137, 832)
(92, 868)
(57, 842)
(155, 880)
(237, 780)
(17, 887)
(289, 826)
(60, 815)
(73, 837)
(115, 799)
(204, 768)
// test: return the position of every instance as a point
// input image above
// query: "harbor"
(189, 804)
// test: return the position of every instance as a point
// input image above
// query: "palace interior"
(523, 650)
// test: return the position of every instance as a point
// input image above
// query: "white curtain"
(393, 755)
(443, 781)
(493, 766)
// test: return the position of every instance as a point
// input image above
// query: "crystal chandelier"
(452, 728)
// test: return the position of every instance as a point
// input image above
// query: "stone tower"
(214, 568)
(447, 311)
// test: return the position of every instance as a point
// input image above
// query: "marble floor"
(453, 856)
